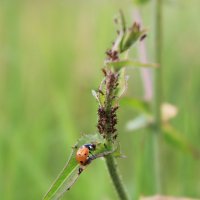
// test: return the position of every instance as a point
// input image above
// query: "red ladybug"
(83, 154)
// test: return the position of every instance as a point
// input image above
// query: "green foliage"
(50, 53)
(137, 104)
(129, 63)
(130, 37)
(70, 172)
(113, 85)
(127, 37)
(179, 141)
(142, 121)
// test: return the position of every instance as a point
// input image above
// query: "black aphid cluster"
(107, 112)
(107, 122)
(112, 55)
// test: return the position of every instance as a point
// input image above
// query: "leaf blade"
(140, 122)
(137, 104)
(62, 177)
(177, 139)
(70, 173)
(130, 63)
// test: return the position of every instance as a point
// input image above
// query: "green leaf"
(130, 63)
(123, 21)
(131, 36)
(178, 140)
(139, 122)
(70, 172)
(137, 104)
(121, 32)
(65, 180)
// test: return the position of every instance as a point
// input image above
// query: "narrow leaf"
(137, 104)
(65, 180)
(139, 122)
(178, 140)
(131, 36)
(130, 63)
(123, 21)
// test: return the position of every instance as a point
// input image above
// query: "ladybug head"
(91, 147)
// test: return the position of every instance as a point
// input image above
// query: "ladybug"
(83, 154)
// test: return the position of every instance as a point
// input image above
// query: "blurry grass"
(50, 59)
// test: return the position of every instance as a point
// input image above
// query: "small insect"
(83, 154)
(143, 37)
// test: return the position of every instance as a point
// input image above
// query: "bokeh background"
(51, 53)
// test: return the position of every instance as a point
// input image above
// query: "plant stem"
(114, 174)
(157, 91)
(110, 160)
(146, 74)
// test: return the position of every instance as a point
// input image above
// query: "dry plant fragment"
(159, 197)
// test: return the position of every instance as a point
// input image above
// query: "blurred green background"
(51, 53)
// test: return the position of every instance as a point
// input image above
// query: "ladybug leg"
(80, 170)
(75, 147)
(93, 156)
(90, 159)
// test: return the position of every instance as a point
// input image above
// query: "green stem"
(114, 174)
(157, 92)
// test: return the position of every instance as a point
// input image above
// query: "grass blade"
(177, 139)
(130, 63)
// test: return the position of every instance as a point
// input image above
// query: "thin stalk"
(146, 74)
(157, 92)
(110, 160)
(114, 174)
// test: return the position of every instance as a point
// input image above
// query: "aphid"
(83, 154)
(143, 37)
(100, 91)
(104, 72)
